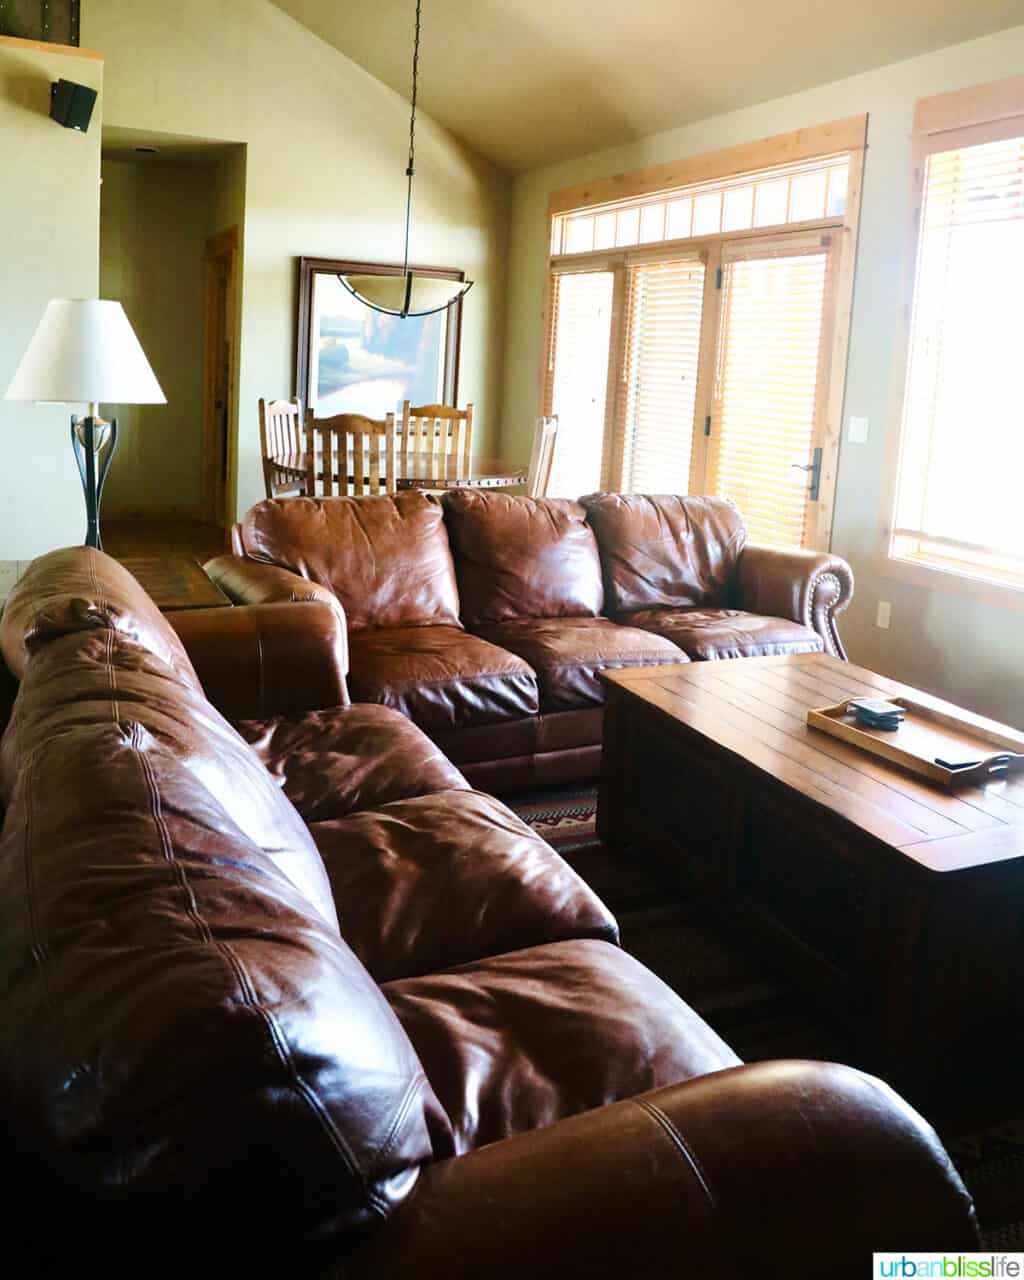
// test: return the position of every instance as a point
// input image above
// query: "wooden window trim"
(847, 135)
(837, 136)
(942, 122)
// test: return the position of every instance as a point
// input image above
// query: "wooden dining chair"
(284, 466)
(433, 437)
(542, 457)
(354, 452)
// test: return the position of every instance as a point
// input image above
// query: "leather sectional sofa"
(286, 997)
(486, 618)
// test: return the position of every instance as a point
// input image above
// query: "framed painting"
(351, 359)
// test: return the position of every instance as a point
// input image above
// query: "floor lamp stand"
(93, 441)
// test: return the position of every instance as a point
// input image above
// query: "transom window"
(806, 192)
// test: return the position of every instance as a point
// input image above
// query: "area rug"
(761, 1015)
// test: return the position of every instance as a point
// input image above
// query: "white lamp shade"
(429, 293)
(85, 351)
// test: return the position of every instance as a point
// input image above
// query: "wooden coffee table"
(175, 582)
(900, 904)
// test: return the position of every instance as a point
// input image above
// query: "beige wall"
(945, 640)
(324, 175)
(49, 229)
(154, 220)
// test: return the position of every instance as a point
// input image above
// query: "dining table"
(426, 471)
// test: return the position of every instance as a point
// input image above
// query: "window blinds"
(577, 377)
(766, 390)
(663, 331)
(962, 454)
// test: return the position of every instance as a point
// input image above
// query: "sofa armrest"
(246, 581)
(267, 660)
(779, 1169)
(809, 587)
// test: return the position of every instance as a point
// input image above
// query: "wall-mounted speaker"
(71, 104)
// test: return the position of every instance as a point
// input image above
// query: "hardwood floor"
(123, 538)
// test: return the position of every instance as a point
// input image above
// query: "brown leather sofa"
(487, 618)
(288, 998)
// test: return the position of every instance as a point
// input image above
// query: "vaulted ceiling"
(526, 82)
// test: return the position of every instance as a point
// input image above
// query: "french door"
(705, 371)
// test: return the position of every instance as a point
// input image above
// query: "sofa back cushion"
(386, 559)
(522, 557)
(665, 552)
(183, 1039)
(97, 659)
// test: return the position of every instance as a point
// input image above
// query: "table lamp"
(85, 351)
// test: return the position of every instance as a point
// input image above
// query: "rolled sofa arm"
(808, 587)
(781, 1170)
(246, 581)
(267, 660)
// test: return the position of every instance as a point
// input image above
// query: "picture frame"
(352, 359)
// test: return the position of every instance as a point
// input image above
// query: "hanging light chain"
(415, 88)
(411, 170)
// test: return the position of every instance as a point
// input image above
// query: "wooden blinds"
(663, 332)
(962, 454)
(768, 386)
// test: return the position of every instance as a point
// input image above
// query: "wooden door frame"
(220, 249)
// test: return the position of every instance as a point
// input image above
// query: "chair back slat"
(542, 457)
(355, 451)
(435, 435)
(281, 446)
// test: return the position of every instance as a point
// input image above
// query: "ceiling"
(525, 82)
(124, 144)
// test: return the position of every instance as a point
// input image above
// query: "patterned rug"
(761, 1015)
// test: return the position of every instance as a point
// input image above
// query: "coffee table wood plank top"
(896, 902)
(756, 708)
(176, 582)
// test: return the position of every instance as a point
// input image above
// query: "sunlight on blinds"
(962, 456)
(581, 317)
(766, 390)
(662, 360)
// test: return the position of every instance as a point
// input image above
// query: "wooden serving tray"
(936, 745)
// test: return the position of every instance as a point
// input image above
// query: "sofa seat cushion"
(386, 559)
(439, 880)
(331, 763)
(523, 1040)
(440, 677)
(519, 557)
(727, 633)
(666, 551)
(568, 653)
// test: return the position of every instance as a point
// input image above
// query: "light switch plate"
(884, 615)
(857, 431)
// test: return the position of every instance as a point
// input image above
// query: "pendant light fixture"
(409, 294)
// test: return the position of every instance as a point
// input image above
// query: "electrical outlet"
(857, 431)
(884, 615)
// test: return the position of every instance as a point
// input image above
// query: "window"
(577, 375)
(962, 440)
(696, 330)
(805, 192)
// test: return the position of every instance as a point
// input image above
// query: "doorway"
(171, 209)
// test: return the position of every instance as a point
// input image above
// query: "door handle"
(814, 467)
